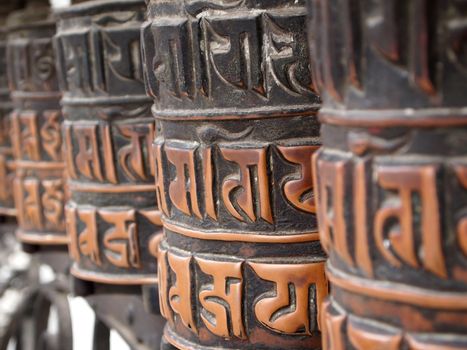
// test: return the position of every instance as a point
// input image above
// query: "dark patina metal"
(392, 175)
(112, 212)
(240, 265)
(7, 172)
(35, 127)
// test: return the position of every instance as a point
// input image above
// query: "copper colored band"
(117, 279)
(24, 164)
(252, 237)
(436, 117)
(183, 344)
(91, 188)
(42, 238)
(396, 292)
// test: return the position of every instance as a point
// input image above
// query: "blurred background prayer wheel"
(108, 131)
(240, 264)
(35, 127)
(7, 171)
(392, 175)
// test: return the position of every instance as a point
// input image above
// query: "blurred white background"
(60, 3)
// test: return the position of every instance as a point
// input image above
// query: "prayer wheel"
(108, 131)
(7, 172)
(240, 263)
(391, 178)
(35, 121)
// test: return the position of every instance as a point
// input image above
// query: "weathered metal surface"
(7, 172)
(392, 175)
(112, 212)
(35, 127)
(240, 264)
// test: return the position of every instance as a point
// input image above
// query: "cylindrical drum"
(392, 175)
(35, 127)
(7, 172)
(240, 264)
(108, 131)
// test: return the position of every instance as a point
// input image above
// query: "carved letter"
(299, 191)
(180, 292)
(88, 159)
(132, 156)
(88, 243)
(51, 135)
(293, 284)
(221, 316)
(184, 161)
(159, 177)
(406, 181)
(121, 241)
(239, 188)
(331, 199)
(52, 201)
(367, 340)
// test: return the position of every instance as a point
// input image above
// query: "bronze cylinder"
(108, 131)
(240, 264)
(392, 174)
(35, 127)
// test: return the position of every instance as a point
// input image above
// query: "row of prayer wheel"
(177, 144)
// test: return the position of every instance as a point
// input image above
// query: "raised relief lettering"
(239, 190)
(221, 300)
(122, 60)
(410, 48)
(208, 177)
(363, 339)
(159, 177)
(332, 328)
(32, 204)
(52, 202)
(132, 157)
(72, 233)
(5, 183)
(298, 191)
(87, 239)
(121, 241)
(285, 64)
(180, 291)
(29, 136)
(76, 69)
(170, 62)
(331, 189)
(88, 159)
(51, 135)
(232, 52)
(288, 310)
(183, 186)
(163, 278)
(405, 186)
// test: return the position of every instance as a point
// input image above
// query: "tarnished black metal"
(7, 205)
(392, 175)
(112, 212)
(35, 124)
(240, 265)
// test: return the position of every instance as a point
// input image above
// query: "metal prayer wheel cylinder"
(240, 264)
(392, 174)
(35, 127)
(7, 172)
(108, 131)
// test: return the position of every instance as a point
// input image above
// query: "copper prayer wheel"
(392, 174)
(108, 131)
(240, 264)
(35, 127)
(7, 172)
